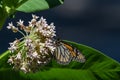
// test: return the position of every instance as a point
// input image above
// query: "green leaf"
(38, 5)
(10, 7)
(98, 66)
(3, 60)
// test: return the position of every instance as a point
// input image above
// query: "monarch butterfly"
(65, 53)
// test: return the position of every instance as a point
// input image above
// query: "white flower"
(43, 21)
(34, 16)
(20, 23)
(18, 56)
(12, 48)
(34, 49)
(28, 42)
(10, 25)
(39, 62)
(35, 54)
(45, 29)
(41, 47)
(10, 60)
(52, 26)
(24, 67)
(51, 48)
(34, 20)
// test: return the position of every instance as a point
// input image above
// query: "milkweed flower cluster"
(35, 47)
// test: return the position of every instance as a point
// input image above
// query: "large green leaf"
(38, 5)
(9, 7)
(97, 67)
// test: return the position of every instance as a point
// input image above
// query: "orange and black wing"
(65, 53)
(62, 54)
(75, 53)
(79, 56)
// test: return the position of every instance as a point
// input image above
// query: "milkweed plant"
(37, 47)
(37, 44)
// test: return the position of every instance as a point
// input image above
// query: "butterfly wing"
(65, 53)
(75, 53)
(62, 54)
(79, 56)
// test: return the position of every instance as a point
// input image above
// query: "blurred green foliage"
(10, 7)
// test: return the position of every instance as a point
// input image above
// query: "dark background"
(95, 23)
